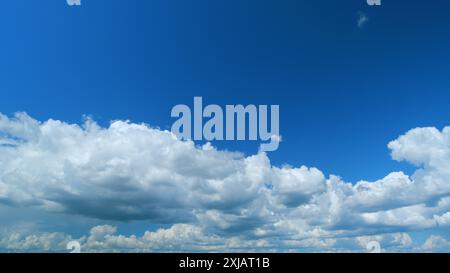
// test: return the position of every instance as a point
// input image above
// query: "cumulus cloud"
(435, 243)
(191, 238)
(19, 241)
(129, 171)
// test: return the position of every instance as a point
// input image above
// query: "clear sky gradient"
(344, 92)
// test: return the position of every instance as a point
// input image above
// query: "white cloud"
(46, 241)
(435, 243)
(191, 238)
(131, 172)
(362, 19)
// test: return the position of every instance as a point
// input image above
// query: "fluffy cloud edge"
(130, 171)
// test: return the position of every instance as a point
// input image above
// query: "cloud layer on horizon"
(131, 172)
(191, 238)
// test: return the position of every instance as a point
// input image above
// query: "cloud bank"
(211, 199)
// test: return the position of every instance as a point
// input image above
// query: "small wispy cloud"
(362, 19)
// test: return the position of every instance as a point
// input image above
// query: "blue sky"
(333, 80)
(344, 91)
